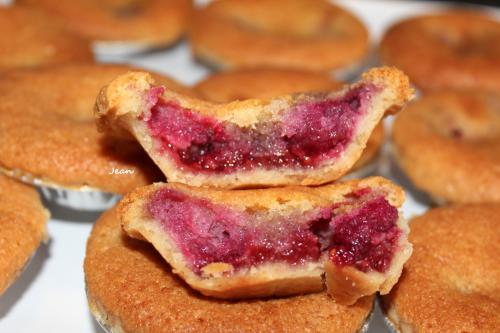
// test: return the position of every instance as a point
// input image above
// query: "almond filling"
(309, 133)
(361, 231)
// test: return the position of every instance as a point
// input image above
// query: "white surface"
(50, 295)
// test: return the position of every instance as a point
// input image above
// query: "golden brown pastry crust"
(309, 34)
(130, 288)
(270, 279)
(23, 226)
(451, 282)
(246, 83)
(28, 38)
(124, 100)
(150, 23)
(224, 87)
(47, 129)
(449, 145)
(454, 49)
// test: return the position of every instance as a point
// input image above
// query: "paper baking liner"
(118, 48)
(102, 321)
(368, 319)
(389, 324)
(103, 326)
(83, 198)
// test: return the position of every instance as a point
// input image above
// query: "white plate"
(50, 296)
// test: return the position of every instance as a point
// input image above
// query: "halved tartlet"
(276, 242)
(300, 139)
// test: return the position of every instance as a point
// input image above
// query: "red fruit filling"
(309, 133)
(365, 237)
(359, 232)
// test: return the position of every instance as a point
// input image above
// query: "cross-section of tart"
(300, 139)
(276, 242)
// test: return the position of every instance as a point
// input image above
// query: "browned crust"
(454, 169)
(131, 289)
(273, 278)
(151, 23)
(224, 87)
(454, 49)
(23, 223)
(121, 103)
(450, 284)
(278, 33)
(47, 129)
(29, 39)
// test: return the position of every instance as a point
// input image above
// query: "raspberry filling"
(361, 232)
(365, 237)
(309, 133)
